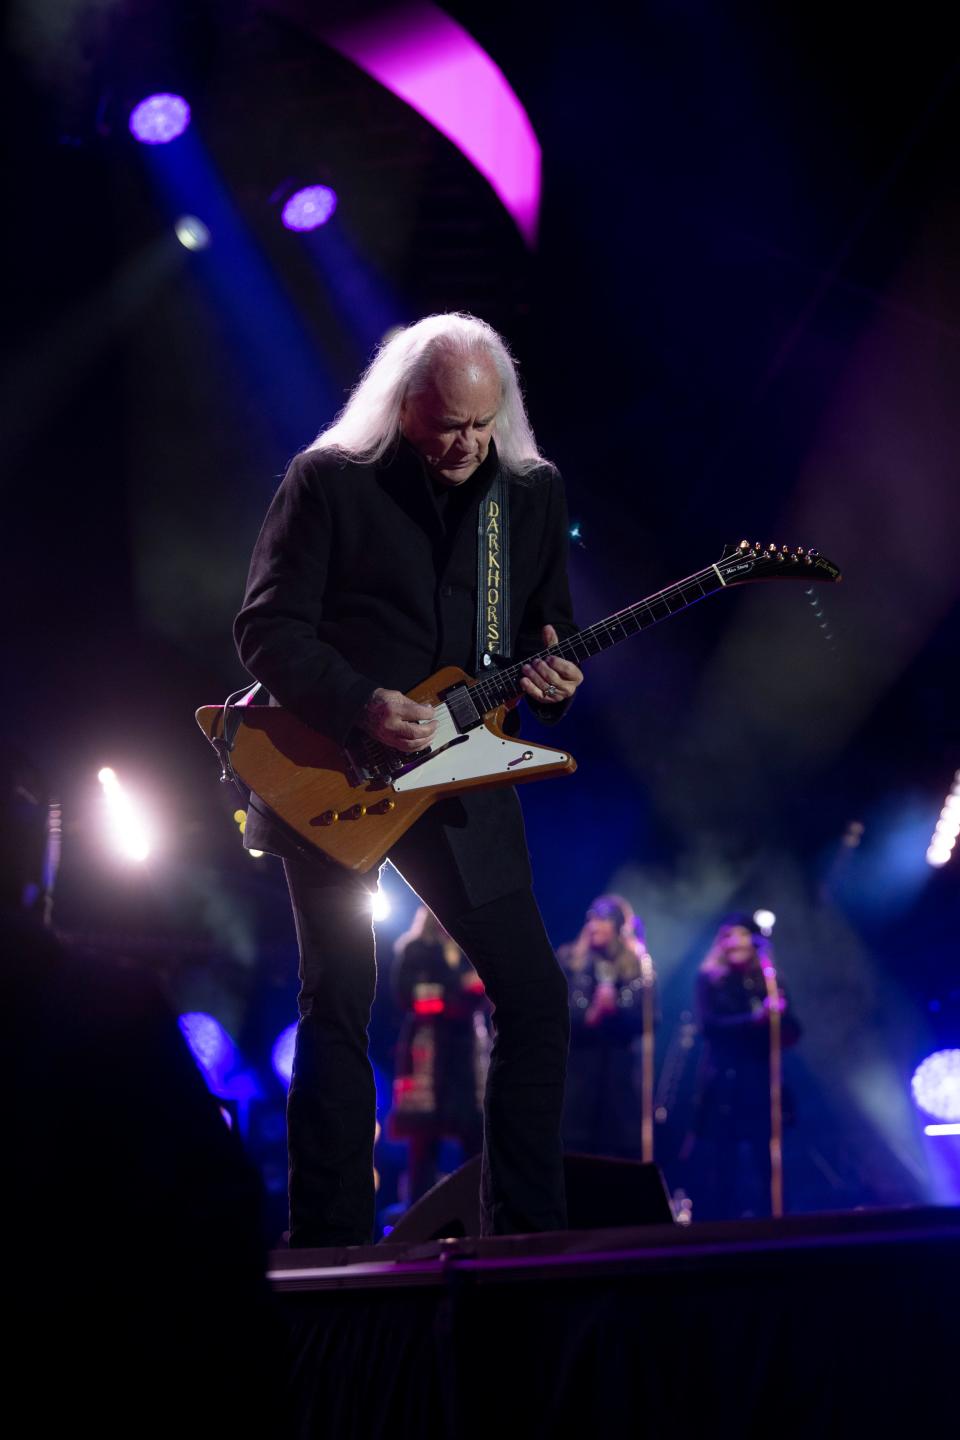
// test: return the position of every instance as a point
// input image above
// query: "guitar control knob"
(329, 816)
(356, 812)
(385, 806)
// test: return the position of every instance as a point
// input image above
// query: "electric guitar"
(355, 802)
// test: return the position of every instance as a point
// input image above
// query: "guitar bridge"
(370, 763)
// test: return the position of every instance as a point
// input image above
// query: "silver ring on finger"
(552, 690)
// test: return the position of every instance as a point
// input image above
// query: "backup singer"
(363, 582)
(607, 971)
(733, 1113)
(443, 1051)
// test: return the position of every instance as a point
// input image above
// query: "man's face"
(451, 420)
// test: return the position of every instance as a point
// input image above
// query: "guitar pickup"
(463, 708)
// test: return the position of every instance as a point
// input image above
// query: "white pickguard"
(473, 756)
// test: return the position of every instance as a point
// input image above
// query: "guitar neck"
(493, 690)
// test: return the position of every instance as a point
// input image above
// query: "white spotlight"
(938, 856)
(192, 233)
(947, 828)
(766, 920)
(379, 905)
(127, 830)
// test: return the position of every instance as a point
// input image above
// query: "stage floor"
(816, 1325)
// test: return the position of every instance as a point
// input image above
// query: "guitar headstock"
(753, 561)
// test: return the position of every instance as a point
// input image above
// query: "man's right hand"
(398, 722)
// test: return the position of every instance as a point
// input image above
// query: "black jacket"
(354, 584)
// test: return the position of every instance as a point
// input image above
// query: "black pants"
(332, 1103)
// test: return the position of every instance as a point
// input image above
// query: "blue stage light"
(210, 1046)
(281, 1055)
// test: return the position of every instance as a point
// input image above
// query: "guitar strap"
(493, 574)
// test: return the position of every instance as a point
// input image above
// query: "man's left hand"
(552, 680)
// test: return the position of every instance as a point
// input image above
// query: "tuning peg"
(771, 549)
(813, 554)
(744, 545)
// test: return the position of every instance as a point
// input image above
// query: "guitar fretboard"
(492, 690)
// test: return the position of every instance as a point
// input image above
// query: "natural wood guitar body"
(305, 779)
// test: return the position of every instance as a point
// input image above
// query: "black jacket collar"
(404, 474)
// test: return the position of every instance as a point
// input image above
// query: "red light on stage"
(428, 1007)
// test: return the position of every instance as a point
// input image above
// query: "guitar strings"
(494, 689)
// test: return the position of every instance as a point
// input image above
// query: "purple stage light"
(936, 1085)
(427, 59)
(159, 119)
(282, 1054)
(309, 208)
(210, 1045)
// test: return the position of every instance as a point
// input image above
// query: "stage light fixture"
(192, 233)
(127, 830)
(947, 828)
(936, 1085)
(766, 920)
(159, 119)
(209, 1044)
(281, 1056)
(309, 208)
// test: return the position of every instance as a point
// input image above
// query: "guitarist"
(363, 582)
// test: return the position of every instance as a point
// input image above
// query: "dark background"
(742, 318)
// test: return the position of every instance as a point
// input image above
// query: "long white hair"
(369, 423)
